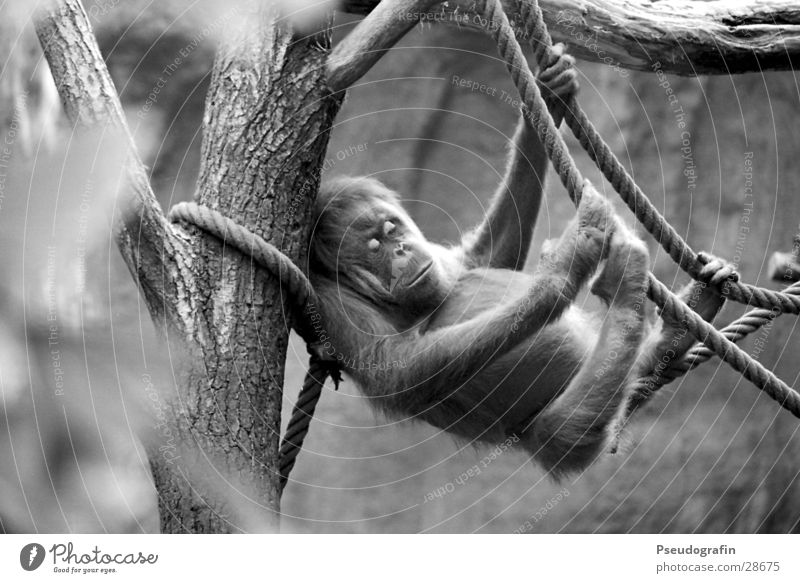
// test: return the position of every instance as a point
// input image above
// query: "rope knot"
(715, 271)
(319, 354)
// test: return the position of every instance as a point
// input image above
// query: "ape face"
(363, 238)
(387, 244)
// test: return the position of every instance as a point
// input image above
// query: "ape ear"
(321, 257)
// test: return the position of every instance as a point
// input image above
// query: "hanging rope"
(302, 413)
(300, 293)
(536, 109)
(613, 170)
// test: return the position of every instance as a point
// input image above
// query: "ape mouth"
(420, 274)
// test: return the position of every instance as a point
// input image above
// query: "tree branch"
(686, 37)
(91, 102)
(369, 41)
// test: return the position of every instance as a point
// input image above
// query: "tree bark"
(719, 37)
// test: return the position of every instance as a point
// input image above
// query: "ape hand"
(558, 79)
(584, 242)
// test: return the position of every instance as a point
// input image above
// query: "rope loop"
(298, 287)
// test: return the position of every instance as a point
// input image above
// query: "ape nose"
(401, 249)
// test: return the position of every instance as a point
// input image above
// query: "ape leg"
(673, 340)
(570, 433)
(670, 339)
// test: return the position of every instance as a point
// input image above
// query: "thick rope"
(616, 174)
(737, 330)
(766, 301)
(565, 166)
(302, 413)
(750, 368)
(300, 292)
(534, 106)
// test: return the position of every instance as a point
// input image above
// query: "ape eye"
(388, 228)
(373, 244)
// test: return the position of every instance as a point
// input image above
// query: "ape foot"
(582, 246)
(596, 220)
(623, 281)
(673, 339)
(559, 78)
(705, 297)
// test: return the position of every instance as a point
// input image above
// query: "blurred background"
(80, 363)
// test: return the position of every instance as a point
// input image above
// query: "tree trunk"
(262, 170)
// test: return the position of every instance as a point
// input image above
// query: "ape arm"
(472, 344)
(504, 237)
(425, 374)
